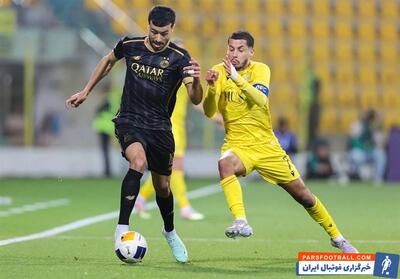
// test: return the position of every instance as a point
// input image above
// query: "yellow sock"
(178, 187)
(234, 197)
(147, 189)
(319, 213)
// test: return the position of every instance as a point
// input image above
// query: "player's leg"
(178, 183)
(179, 188)
(230, 166)
(298, 190)
(160, 156)
(136, 156)
(276, 167)
(165, 202)
(164, 199)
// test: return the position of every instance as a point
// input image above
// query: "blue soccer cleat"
(344, 245)
(178, 249)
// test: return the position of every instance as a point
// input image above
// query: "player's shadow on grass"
(234, 266)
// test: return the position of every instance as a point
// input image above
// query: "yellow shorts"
(180, 140)
(269, 160)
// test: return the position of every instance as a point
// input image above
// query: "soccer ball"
(131, 247)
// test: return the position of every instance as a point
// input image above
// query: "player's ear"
(251, 52)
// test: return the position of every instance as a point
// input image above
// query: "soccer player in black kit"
(155, 69)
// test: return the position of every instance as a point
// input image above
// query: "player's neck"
(244, 67)
(150, 47)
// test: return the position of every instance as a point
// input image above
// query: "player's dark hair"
(243, 35)
(162, 16)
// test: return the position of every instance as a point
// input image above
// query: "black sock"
(166, 206)
(129, 191)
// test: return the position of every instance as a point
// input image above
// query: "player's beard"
(242, 66)
(156, 46)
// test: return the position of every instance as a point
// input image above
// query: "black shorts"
(158, 145)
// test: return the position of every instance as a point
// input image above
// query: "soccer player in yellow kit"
(238, 88)
(178, 184)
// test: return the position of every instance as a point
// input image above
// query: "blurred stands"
(354, 47)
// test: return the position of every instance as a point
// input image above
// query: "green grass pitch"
(367, 215)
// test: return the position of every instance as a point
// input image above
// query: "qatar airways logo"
(147, 72)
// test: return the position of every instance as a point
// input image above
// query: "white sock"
(338, 238)
(121, 229)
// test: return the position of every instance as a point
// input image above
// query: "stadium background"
(48, 49)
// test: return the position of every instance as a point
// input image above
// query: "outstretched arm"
(101, 70)
(192, 82)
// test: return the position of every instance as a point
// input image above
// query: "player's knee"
(138, 163)
(226, 167)
(162, 190)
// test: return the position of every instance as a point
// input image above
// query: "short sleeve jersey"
(151, 82)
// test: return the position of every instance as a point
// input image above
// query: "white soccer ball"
(131, 247)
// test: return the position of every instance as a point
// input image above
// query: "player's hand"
(194, 70)
(75, 100)
(227, 65)
(230, 69)
(211, 76)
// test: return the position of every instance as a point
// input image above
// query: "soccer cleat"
(188, 213)
(178, 249)
(239, 228)
(140, 206)
(344, 245)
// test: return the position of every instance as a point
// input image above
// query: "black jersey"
(151, 82)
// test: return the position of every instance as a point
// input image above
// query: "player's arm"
(257, 93)
(192, 82)
(212, 93)
(101, 70)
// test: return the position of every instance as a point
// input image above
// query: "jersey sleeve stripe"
(131, 41)
(181, 53)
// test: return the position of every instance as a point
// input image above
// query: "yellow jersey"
(178, 120)
(245, 122)
(179, 114)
